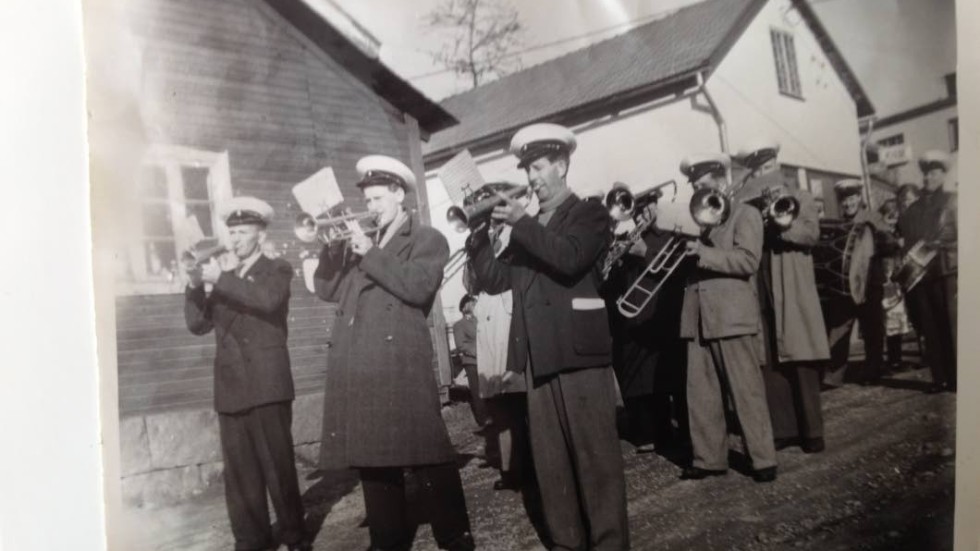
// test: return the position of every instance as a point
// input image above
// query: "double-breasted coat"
(559, 318)
(381, 403)
(248, 315)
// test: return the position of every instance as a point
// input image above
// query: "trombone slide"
(636, 298)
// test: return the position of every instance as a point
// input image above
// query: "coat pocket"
(590, 327)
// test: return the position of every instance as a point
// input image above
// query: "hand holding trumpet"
(360, 243)
(509, 211)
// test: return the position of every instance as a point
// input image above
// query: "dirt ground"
(884, 482)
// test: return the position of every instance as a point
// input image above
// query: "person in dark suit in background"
(932, 220)
(464, 336)
(720, 320)
(253, 387)
(381, 411)
(559, 339)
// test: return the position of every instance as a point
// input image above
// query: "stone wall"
(170, 456)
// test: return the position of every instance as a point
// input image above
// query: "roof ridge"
(661, 17)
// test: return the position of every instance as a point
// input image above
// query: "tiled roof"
(657, 52)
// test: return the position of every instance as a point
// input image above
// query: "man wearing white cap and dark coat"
(559, 340)
(932, 219)
(720, 321)
(381, 411)
(793, 328)
(253, 387)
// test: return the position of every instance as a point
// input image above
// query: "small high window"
(787, 72)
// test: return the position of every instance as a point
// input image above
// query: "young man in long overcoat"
(381, 404)
(793, 327)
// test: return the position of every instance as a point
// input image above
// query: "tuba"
(708, 208)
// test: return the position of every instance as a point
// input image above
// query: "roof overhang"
(369, 70)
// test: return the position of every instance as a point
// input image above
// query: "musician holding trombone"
(381, 403)
(792, 321)
(559, 340)
(720, 321)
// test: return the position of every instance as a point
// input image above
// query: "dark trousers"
(508, 438)
(578, 460)
(839, 315)
(477, 405)
(792, 390)
(257, 448)
(441, 496)
(934, 302)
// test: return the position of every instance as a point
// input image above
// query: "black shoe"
(783, 443)
(300, 547)
(506, 483)
(764, 475)
(697, 473)
(813, 445)
(649, 447)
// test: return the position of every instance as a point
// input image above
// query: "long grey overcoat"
(381, 405)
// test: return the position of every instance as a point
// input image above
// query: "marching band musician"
(649, 358)
(932, 218)
(253, 386)
(840, 311)
(381, 404)
(720, 320)
(559, 340)
(792, 323)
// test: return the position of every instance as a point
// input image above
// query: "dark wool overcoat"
(248, 315)
(381, 404)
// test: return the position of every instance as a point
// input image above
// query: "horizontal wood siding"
(230, 75)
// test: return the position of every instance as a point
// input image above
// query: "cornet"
(777, 207)
(708, 208)
(475, 212)
(332, 227)
(201, 254)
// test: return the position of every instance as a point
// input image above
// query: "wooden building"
(245, 97)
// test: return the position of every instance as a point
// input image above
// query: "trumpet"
(708, 208)
(200, 254)
(333, 227)
(778, 207)
(477, 206)
(622, 205)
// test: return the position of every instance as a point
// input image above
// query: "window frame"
(172, 159)
(783, 45)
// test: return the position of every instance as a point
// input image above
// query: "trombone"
(708, 208)
(332, 227)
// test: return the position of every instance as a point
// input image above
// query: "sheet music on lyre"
(318, 193)
(460, 176)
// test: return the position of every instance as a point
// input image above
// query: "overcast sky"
(899, 49)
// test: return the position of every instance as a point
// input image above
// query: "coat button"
(389, 338)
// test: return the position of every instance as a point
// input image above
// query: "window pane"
(157, 220)
(161, 257)
(777, 53)
(153, 182)
(794, 77)
(202, 212)
(195, 183)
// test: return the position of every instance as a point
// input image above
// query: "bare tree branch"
(482, 38)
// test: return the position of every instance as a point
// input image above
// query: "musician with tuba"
(247, 308)
(930, 224)
(649, 358)
(793, 333)
(720, 321)
(559, 341)
(381, 401)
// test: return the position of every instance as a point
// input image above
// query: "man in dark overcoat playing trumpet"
(381, 403)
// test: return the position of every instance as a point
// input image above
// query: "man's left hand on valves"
(509, 211)
(360, 243)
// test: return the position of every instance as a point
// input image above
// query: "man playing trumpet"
(253, 386)
(720, 320)
(381, 410)
(792, 322)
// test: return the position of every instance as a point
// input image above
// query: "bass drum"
(842, 259)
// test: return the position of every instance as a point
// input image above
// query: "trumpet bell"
(620, 203)
(305, 228)
(457, 218)
(710, 207)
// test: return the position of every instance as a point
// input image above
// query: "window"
(175, 187)
(787, 73)
(954, 134)
(897, 139)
